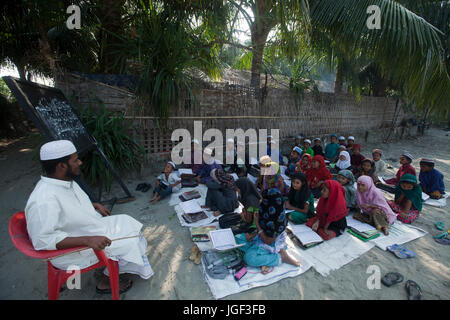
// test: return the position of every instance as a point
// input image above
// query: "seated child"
(343, 162)
(305, 164)
(406, 167)
(204, 175)
(331, 211)
(317, 148)
(294, 159)
(307, 147)
(431, 180)
(347, 180)
(250, 199)
(298, 142)
(375, 209)
(166, 183)
(221, 195)
(331, 149)
(367, 169)
(342, 141)
(336, 159)
(317, 175)
(264, 160)
(271, 178)
(408, 199)
(266, 247)
(300, 199)
(380, 165)
(356, 158)
(350, 143)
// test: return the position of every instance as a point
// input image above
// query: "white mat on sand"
(399, 233)
(438, 203)
(254, 278)
(333, 254)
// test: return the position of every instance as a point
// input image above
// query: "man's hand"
(97, 242)
(101, 209)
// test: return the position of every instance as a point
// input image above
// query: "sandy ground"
(169, 244)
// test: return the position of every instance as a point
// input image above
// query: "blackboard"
(50, 111)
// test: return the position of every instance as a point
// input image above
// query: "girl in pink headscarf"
(375, 209)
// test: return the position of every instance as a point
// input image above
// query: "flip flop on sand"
(391, 278)
(401, 251)
(443, 241)
(127, 282)
(413, 289)
(439, 225)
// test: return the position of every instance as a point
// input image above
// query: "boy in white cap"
(166, 183)
(342, 141)
(307, 147)
(60, 215)
(350, 143)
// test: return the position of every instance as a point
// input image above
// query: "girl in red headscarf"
(304, 165)
(330, 212)
(317, 174)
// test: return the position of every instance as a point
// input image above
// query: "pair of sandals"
(124, 282)
(144, 187)
(412, 288)
(401, 251)
(442, 238)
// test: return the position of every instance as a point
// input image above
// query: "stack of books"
(187, 178)
(189, 195)
(361, 230)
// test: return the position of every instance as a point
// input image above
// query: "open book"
(223, 239)
(306, 236)
(192, 211)
(189, 195)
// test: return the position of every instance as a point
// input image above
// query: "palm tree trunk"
(339, 82)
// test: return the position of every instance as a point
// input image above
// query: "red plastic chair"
(56, 277)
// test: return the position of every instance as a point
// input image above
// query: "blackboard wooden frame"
(15, 87)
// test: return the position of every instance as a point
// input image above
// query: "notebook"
(223, 239)
(191, 206)
(306, 236)
(194, 217)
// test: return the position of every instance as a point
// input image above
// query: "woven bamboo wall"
(235, 106)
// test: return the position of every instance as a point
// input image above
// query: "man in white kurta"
(58, 209)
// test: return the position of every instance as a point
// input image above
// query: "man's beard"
(70, 174)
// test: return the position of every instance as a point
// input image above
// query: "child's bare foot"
(386, 231)
(265, 269)
(286, 258)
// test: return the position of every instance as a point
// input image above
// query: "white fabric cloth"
(56, 150)
(343, 164)
(173, 178)
(58, 209)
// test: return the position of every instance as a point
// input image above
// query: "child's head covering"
(341, 138)
(265, 160)
(172, 164)
(429, 162)
(317, 139)
(307, 141)
(272, 217)
(408, 155)
(347, 174)
(379, 151)
(298, 137)
(298, 198)
(333, 208)
(351, 138)
(334, 135)
(356, 147)
(222, 178)
(415, 195)
(297, 149)
(346, 163)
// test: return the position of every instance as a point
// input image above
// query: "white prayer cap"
(351, 138)
(57, 149)
(172, 164)
(208, 151)
(307, 141)
(298, 137)
(316, 139)
(341, 138)
(269, 136)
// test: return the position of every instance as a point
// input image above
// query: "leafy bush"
(112, 135)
